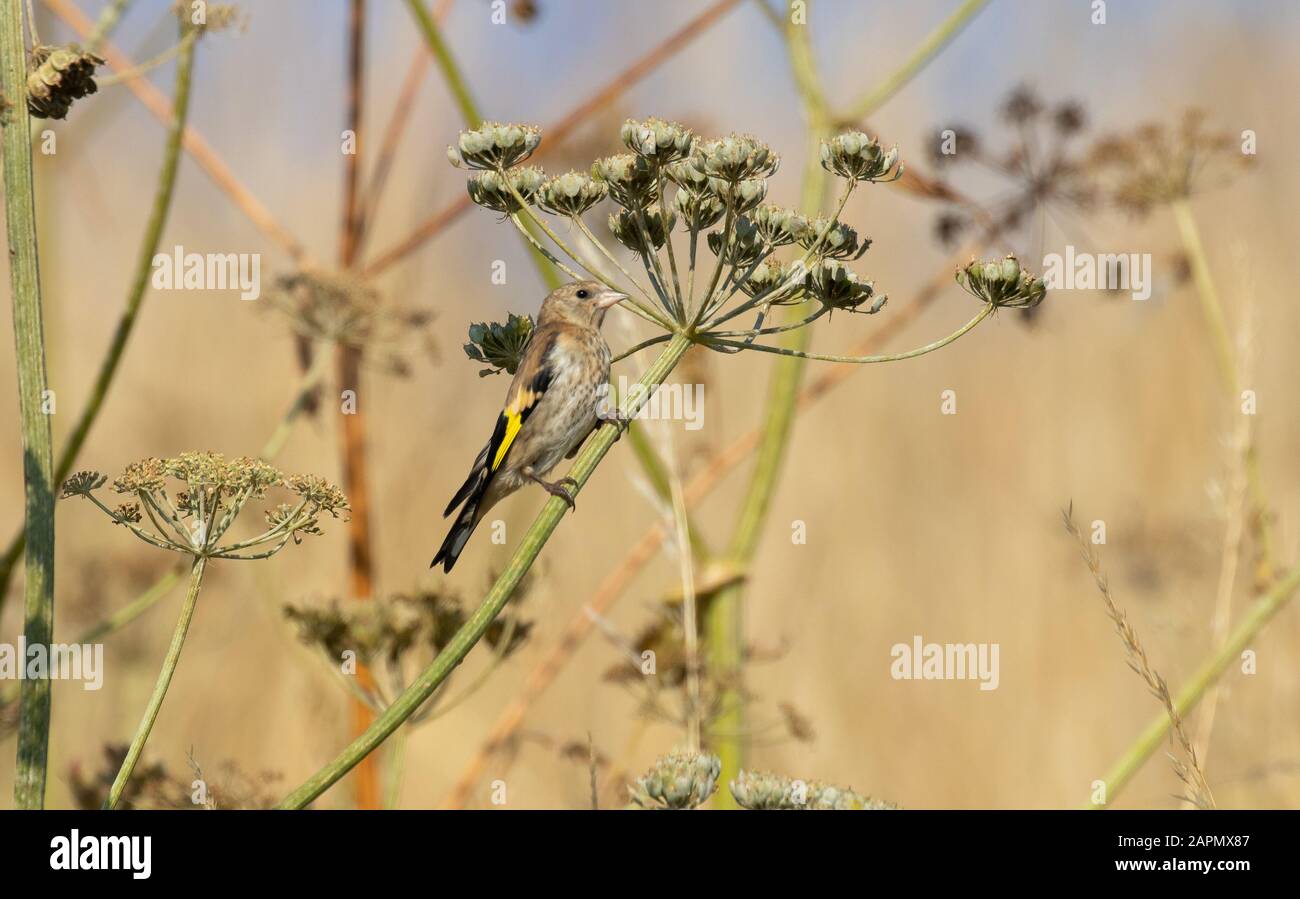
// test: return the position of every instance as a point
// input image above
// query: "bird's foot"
(557, 488)
(622, 421)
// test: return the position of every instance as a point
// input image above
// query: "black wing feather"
(481, 474)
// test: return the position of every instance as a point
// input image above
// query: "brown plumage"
(549, 410)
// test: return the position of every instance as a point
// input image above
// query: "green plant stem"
(604, 251)
(725, 624)
(106, 24)
(660, 481)
(141, 68)
(311, 379)
(1257, 616)
(923, 54)
(160, 686)
(109, 365)
(393, 770)
(472, 631)
(29, 350)
(159, 589)
(634, 305)
(132, 610)
(864, 360)
(1221, 337)
(469, 111)
(668, 240)
(645, 344)
(1211, 305)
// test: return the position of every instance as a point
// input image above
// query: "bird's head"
(581, 303)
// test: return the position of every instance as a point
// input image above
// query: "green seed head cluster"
(835, 240)
(699, 208)
(856, 156)
(766, 278)
(835, 285)
(59, 76)
(1002, 283)
(762, 791)
(741, 196)
(493, 146)
(746, 247)
(734, 158)
(715, 189)
(779, 226)
(631, 180)
(571, 194)
(661, 141)
(679, 781)
(500, 346)
(492, 189)
(209, 493)
(641, 231)
(686, 175)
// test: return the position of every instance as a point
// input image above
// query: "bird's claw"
(622, 422)
(556, 488)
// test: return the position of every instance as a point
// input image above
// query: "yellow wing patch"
(514, 414)
(513, 423)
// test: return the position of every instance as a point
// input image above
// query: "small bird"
(550, 409)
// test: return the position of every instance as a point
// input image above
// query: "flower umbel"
(836, 286)
(856, 156)
(735, 158)
(494, 146)
(571, 194)
(212, 493)
(1002, 283)
(661, 141)
(762, 791)
(626, 226)
(632, 181)
(492, 189)
(679, 781)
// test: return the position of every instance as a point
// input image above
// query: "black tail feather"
(477, 480)
(458, 536)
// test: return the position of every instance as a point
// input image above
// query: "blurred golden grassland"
(917, 522)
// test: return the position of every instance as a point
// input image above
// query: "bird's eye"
(583, 294)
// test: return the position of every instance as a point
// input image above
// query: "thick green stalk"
(158, 591)
(160, 686)
(469, 110)
(38, 462)
(108, 366)
(472, 631)
(1151, 738)
(725, 623)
